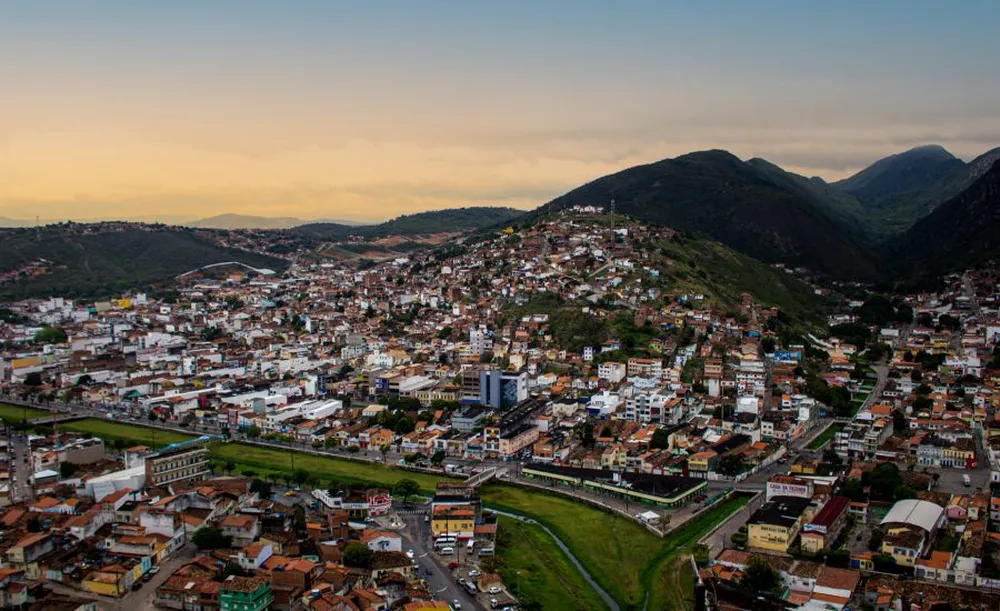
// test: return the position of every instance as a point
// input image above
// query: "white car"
(474, 573)
(409, 554)
(495, 589)
(456, 605)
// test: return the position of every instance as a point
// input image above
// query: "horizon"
(364, 113)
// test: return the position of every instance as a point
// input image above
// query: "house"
(245, 594)
(29, 549)
(243, 528)
(776, 524)
(826, 525)
(382, 541)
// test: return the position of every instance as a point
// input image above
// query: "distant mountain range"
(450, 220)
(960, 233)
(855, 228)
(245, 221)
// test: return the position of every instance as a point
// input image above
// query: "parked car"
(456, 605)
(154, 570)
(474, 573)
(495, 589)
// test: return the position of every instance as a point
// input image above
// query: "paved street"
(439, 580)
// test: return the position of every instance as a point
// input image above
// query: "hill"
(243, 221)
(451, 220)
(839, 206)
(960, 233)
(715, 194)
(898, 213)
(904, 172)
(104, 259)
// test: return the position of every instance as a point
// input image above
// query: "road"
(439, 579)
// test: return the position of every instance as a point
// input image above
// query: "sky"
(367, 110)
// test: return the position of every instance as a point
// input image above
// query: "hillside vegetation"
(422, 223)
(86, 261)
(715, 194)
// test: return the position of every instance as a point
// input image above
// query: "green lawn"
(624, 558)
(16, 413)
(828, 433)
(536, 571)
(669, 578)
(613, 549)
(271, 460)
(130, 433)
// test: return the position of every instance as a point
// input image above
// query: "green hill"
(421, 223)
(961, 233)
(715, 194)
(104, 259)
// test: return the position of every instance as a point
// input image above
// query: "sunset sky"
(366, 110)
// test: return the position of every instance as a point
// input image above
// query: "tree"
(33, 379)
(884, 562)
(405, 488)
(84, 380)
(300, 477)
(732, 465)
(899, 421)
(404, 426)
(660, 440)
(438, 457)
(384, 450)
(249, 474)
(358, 555)
(759, 576)
(229, 466)
(210, 537)
(50, 335)
(253, 432)
(854, 490)
(66, 469)
(261, 487)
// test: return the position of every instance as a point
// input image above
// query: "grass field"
(669, 579)
(16, 413)
(268, 460)
(828, 433)
(625, 559)
(536, 571)
(613, 549)
(110, 430)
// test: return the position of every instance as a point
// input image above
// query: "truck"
(966, 481)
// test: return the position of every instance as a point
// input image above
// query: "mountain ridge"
(716, 194)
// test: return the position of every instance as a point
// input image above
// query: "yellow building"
(702, 462)
(459, 522)
(774, 526)
(904, 544)
(110, 581)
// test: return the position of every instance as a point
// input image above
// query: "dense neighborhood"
(569, 356)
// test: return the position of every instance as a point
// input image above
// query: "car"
(494, 603)
(430, 571)
(136, 586)
(291, 493)
(474, 573)
(427, 518)
(409, 554)
(456, 605)
(452, 565)
(154, 570)
(495, 589)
